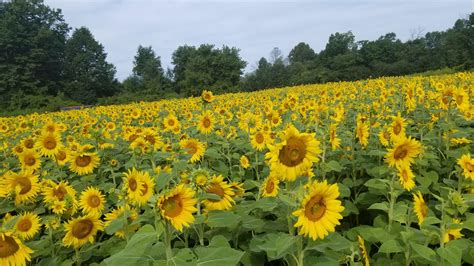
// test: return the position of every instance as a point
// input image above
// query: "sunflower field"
(369, 172)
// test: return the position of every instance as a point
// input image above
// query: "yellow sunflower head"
(193, 147)
(467, 165)
(222, 193)
(27, 225)
(178, 206)
(83, 163)
(30, 160)
(270, 186)
(403, 152)
(420, 208)
(12, 250)
(49, 144)
(81, 230)
(24, 184)
(92, 201)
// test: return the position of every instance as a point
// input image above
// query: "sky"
(255, 27)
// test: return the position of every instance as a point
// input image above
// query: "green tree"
(147, 68)
(87, 73)
(32, 40)
(302, 53)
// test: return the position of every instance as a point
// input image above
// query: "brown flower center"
(24, 225)
(30, 160)
(132, 184)
(259, 138)
(170, 122)
(192, 149)
(8, 246)
(315, 208)
(397, 128)
(25, 184)
(206, 122)
(424, 210)
(150, 138)
(215, 188)
(270, 186)
(144, 189)
(83, 160)
(29, 143)
(173, 206)
(400, 153)
(293, 152)
(61, 155)
(60, 193)
(49, 143)
(94, 201)
(82, 228)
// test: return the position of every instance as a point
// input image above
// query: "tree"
(32, 40)
(302, 52)
(87, 73)
(147, 67)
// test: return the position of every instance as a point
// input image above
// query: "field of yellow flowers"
(368, 172)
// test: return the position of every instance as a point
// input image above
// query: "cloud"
(253, 26)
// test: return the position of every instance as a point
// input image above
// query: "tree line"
(45, 64)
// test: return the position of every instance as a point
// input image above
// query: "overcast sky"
(253, 26)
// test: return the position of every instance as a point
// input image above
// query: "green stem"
(78, 257)
(200, 226)
(256, 166)
(167, 236)
(300, 251)
(393, 198)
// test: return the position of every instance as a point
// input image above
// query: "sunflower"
(83, 163)
(92, 201)
(62, 157)
(452, 234)
(117, 213)
(222, 191)
(362, 133)
(294, 155)
(60, 197)
(333, 139)
(420, 208)
(384, 137)
(170, 122)
(363, 250)
(237, 188)
(13, 251)
(467, 164)
(206, 122)
(270, 187)
(259, 140)
(139, 186)
(244, 162)
(27, 225)
(200, 177)
(49, 144)
(320, 212)
(193, 147)
(81, 230)
(397, 128)
(207, 96)
(24, 184)
(30, 160)
(403, 152)
(28, 143)
(407, 178)
(178, 206)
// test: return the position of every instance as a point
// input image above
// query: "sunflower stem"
(256, 166)
(393, 198)
(167, 236)
(300, 251)
(78, 257)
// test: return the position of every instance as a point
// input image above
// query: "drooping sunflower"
(407, 177)
(30, 160)
(206, 122)
(244, 162)
(333, 139)
(83, 163)
(223, 191)
(178, 206)
(13, 251)
(193, 147)
(419, 206)
(467, 164)
(27, 225)
(363, 250)
(270, 187)
(49, 144)
(320, 211)
(362, 133)
(24, 184)
(92, 201)
(296, 153)
(403, 153)
(81, 230)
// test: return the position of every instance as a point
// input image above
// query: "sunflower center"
(259, 138)
(29, 143)
(8, 246)
(132, 137)
(49, 143)
(82, 228)
(270, 186)
(192, 149)
(293, 152)
(405, 175)
(400, 153)
(83, 160)
(24, 225)
(171, 122)
(18, 149)
(60, 193)
(397, 128)
(424, 210)
(469, 167)
(30, 160)
(315, 208)
(144, 189)
(216, 189)
(459, 99)
(61, 155)
(173, 206)
(150, 139)
(206, 122)
(25, 184)
(132, 184)
(93, 201)
(275, 120)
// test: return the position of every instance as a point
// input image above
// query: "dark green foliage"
(87, 73)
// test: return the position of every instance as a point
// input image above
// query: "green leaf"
(116, 224)
(162, 181)
(223, 219)
(376, 184)
(209, 256)
(379, 206)
(333, 166)
(390, 246)
(266, 204)
(334, 241)
(184, 257)
(451, 254)
(213, 153)
(423, 251)
(277, 245)
(136, 249)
